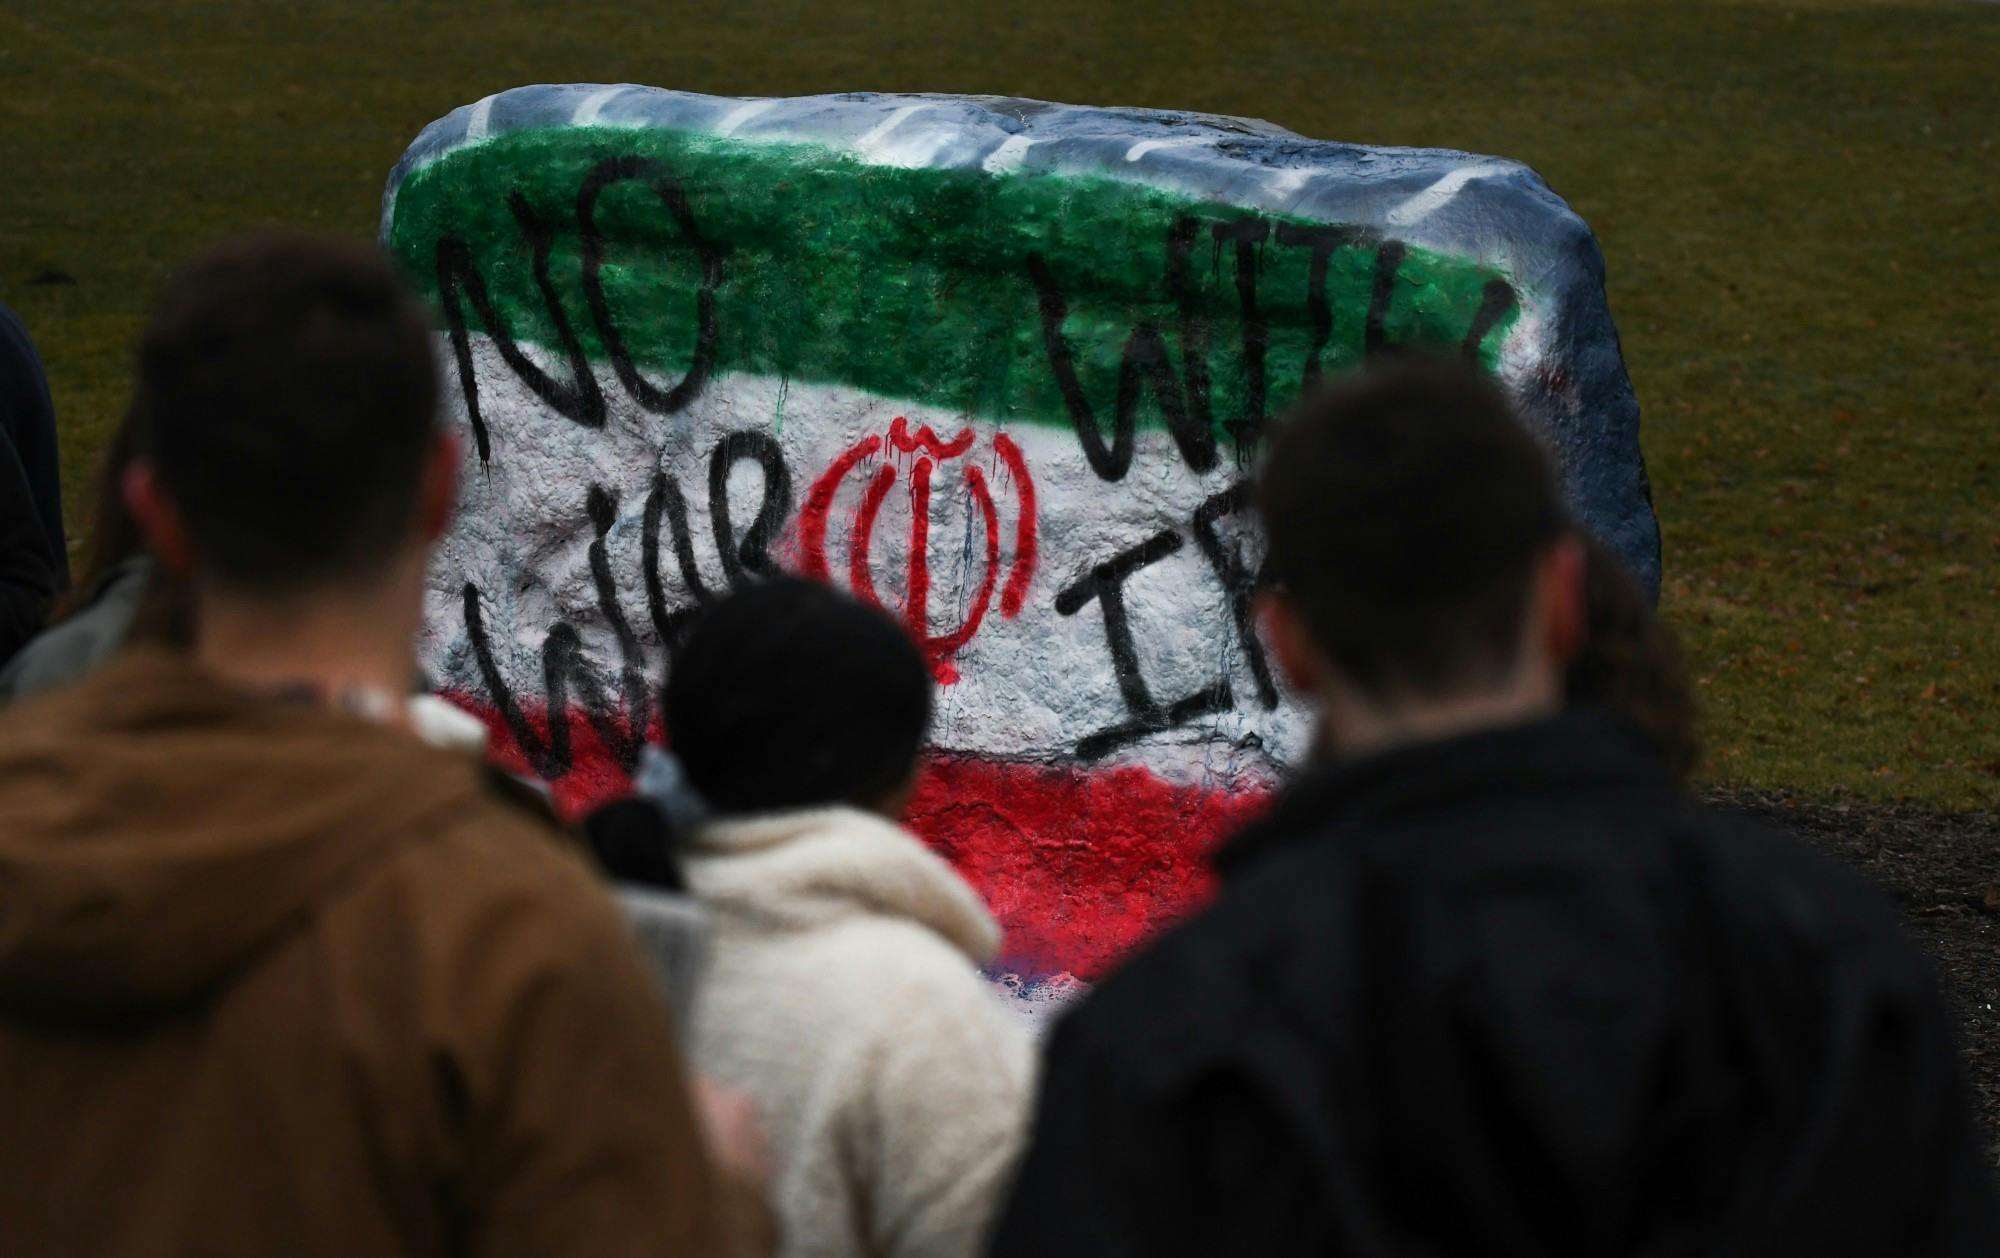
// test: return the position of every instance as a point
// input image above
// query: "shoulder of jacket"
(916, 964)
(1188, 1001)
(934, 1027)
(871, 981)
(511, 793)
(499, 846)
(1771, 883)
(885, 960)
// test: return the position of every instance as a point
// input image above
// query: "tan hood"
(805, 869)
(158, 832)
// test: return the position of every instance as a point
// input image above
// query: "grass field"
(1799, 205)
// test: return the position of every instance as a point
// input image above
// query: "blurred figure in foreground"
(1629, 663)
(27, 572)
(844, 994)
(34, 561)
(276, 975)
(1485, 982)
(120, 594)
(28, 424)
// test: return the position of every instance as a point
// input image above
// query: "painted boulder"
(997, 365)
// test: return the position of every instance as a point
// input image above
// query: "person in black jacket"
(1484, 981)
(28, 423)
(27, 574)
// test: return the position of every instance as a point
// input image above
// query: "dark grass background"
(1797, 203)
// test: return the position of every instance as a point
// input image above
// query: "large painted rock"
(999, 366)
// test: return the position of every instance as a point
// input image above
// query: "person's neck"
(335, 645)
(1354, 727)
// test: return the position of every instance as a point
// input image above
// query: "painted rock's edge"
(1493, 210)
(1085, 843)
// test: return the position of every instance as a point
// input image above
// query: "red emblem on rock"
(929, 454)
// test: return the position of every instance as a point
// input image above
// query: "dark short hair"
(291, 388)
(789, 694)
(1631, 664)
(1405, 507)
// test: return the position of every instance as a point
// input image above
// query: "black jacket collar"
(1574, 748)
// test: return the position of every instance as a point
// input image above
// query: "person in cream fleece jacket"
(844, 993)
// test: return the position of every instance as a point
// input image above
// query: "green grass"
(1798, 203)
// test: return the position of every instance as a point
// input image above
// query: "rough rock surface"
(999, 365)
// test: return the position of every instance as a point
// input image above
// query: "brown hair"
(1631, 663)
(164, 612)
(114, 534)
(1406, 507)
(290, 391)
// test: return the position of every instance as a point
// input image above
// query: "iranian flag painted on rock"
(1000, 366)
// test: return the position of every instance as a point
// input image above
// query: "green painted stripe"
(907, 283)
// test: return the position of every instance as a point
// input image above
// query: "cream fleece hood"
(844, 996)
(159, 832)
(808, 869)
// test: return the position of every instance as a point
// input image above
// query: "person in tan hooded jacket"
(278, 976)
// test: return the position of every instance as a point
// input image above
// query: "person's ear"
(438, 493)
(159, 520)
(1559, 582)
(1286, 633)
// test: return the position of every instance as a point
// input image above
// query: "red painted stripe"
(594, 777)
(1080, 865)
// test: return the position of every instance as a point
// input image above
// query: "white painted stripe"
(1285, 182)
(870, 145)
(592, 108)
(733, 120)
(482, 118)
(1030, 687)
(1012, 151)
(1144, 147)
(1434, 198)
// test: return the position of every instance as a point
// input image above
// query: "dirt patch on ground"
(1944, 870)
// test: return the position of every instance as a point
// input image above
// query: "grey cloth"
(674, 931)
(663, 779)
(64, 652)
